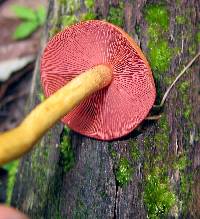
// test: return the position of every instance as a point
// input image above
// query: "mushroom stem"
(18, 141)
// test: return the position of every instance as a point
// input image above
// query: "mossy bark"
(155, 170)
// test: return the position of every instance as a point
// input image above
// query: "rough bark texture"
(155, 170)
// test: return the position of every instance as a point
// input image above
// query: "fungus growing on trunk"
(117, 109)
(99, 83)
(10, 213)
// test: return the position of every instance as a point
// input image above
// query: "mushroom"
(10, 213)
(96, 79)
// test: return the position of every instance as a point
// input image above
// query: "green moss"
(186, 181)
(181, 163)
(137, 29)
(184, 94)
(192, 49)
(156, 14)
(112, 151)
(67, 159)
(89, 4)
(81, 210)
(62, 2)
(54, 27)
(134, 150)
(68, 20)
(180, 19)
(40, 170)
(71, 6)
(88, 16)
(12, 170)
(183, 87)
(116, 15)
(160, 54)
(198, 37)
(158, 198)
(41, 97)
(124, 171)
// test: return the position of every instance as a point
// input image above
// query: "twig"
(177, 78)
(156, 117)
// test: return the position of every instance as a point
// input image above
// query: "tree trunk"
(153, 171)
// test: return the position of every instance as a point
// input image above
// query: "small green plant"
(31, 20)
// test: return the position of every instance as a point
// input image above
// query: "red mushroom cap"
(8, 213)
(117, 109)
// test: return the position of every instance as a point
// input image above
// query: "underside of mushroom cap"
(117, 109)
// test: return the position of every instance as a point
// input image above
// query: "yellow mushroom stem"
(20, 140)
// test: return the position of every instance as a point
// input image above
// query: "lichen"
(160, 54)
(67, 158)
(12, 171)
(116, 14)
(124, 171)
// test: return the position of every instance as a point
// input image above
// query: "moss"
(185, 181)
(112, 151)
(161, 137)
(192, 49)
(134, 150)
(89, 4)
(184, 93)
(67, 159)
(54, 27)
(187, 112)
(71, 6)
(160, 54)
(183, 87)
(12, 170)
(197, 37)
(158, 198)
(137, 29)
(40, 170)
(88, 16)
(68, 20)
(181, 163)
(124, 172)
(180, 19)
(81, 210)
(116, 15)
(62, 2)
(156, 14)
(41, 97)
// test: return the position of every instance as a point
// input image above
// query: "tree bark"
(154, 170)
